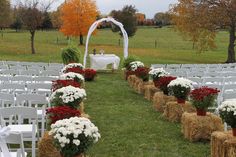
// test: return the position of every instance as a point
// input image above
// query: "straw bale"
(149, 91)
(160, 100)
(142, 85)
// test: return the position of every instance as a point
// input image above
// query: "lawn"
(128, 124)
(170, 48)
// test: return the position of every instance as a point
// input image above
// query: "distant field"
(171, 48)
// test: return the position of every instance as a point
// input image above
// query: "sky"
(148, 7)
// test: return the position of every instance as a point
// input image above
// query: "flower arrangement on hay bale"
(142, 72)
(63, 83)
(126, 65)
(73, 76)
(227, 112)
(133, 66)
(163, 83)
(69, 96)
(73, 137)
(90, 74)
(156, 74)
(202, 98)
(180, 88)
(73, 67)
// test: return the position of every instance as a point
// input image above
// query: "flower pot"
(201, 112)
(156, 83)
(234, 131)
(181, 101)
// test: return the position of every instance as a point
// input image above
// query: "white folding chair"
(7, 99)
(213, 80)
(23, 120)
(29, 72)
(230, 80)
(40, 88)
(196, 81)
(21, 79)
(49, 73)
(10, 72)
(155, 66)
(44, 79)
(12, 88)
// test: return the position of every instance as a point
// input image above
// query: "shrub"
(70, 54)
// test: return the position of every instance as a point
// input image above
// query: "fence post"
(155, 43)
(119, 42)
(57, 40)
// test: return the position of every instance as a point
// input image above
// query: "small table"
(100, 62)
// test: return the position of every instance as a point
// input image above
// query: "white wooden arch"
(94, 26)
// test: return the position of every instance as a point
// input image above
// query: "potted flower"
(202, 98)
(63, 83)
(69, 96)
(70, 54)
(142, 72)
(163, 83)
(61, 112)
(73, 137)
(90, 74)
(73, 67)
(155, 74)
(73, 76)
(180, 88)
(133, 66)
(126, 65)
(227, 112)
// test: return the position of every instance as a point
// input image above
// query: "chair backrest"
(29, 72)
(213, 80)
(230, 80)
(49, 73)
(12, 87)
(7, 99)
(4, 79)
(154, 66)
(228, 96)
(44, 79)
(36, 87)
(21, 79)
(10, 72)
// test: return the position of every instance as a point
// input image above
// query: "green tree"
(127, 16)
(47, 22)
(162, 19)
(17, 24)
(5, 11)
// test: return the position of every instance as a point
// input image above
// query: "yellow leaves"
(77, 16)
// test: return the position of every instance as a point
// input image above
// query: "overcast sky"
(148, 7)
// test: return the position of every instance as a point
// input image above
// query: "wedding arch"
(94, 26)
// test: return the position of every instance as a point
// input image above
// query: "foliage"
(163, 82)
(127, 17)
(90, 74)
(227, 112)
(162, 19)
(128, 60)
(60, 112)
(142, 72)
(17, 24)
(74, 136)
(155, 74)
(69, 96)
(180, 88)
(47, 22)
(70, 54)
(204, 97)
(55, 18)
(77, 16)
(4, 13)
(200, 21)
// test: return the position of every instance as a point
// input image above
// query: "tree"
(128, 18)
(17, 24)
(77, 16)
(162, 19)
(200, 20)
(4, 13)
(55, 18)
(140, 18)
(47, 22)
(32, 20)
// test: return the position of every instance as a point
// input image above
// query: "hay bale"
(142, 85)
(46, 147)
(136, 84)
(131, 79)
(173, 111)
(160, 100)
(149, 91)
(223, 144)
(197, 128)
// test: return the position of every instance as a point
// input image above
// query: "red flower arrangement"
(75, 70)
(163, 82)
(89, 74)
(128, 73)
(63, 83)
(202, 98)
(143, 73)
(61, 112)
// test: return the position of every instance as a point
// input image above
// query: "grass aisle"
(130, 127)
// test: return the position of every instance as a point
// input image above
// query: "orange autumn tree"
(77, 16)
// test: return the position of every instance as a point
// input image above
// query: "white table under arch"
(94, 26)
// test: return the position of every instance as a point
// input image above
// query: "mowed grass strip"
(171, 48)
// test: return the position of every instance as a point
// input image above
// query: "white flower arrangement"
(157, 73)
(183, 82)
(228, 106)
(72, 76)
(66, 95)
(135, 65)
(72, 65)
(76, 133)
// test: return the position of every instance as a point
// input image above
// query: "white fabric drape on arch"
(94, 26)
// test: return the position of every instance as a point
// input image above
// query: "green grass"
(130, 127)
(171, 48)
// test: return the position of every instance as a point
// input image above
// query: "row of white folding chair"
(23, 120)
(26, 79)
(31, 72)
(29, 63)
(12, 138)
